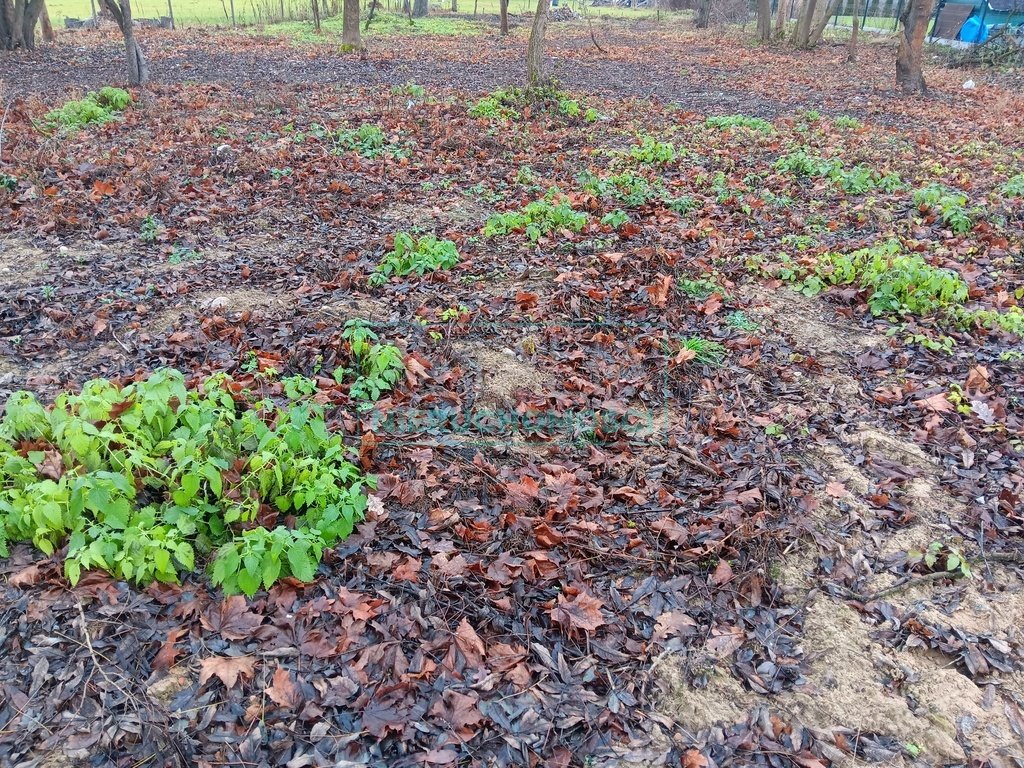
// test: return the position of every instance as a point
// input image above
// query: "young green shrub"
(143, 480)
(378, 367)
(415, 256)
(896, 282)
(96, 108)
(950, 205)
(537, 219)
(1014, 187)
(367, 140)
(727, 122)
(650, 151)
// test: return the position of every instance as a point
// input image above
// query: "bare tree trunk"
(419, 9)
(47, 28)
(170, 13)
(703, 18)
(138, 69)
(316, 17)
(535, 47)
(764, 20)
(350, 24)
(819, 28)
(851, 50)
(803, 27)
(780, 17)
(503, 9)
(914, 23)
(28, 23)
(232, 13)
(455, 6)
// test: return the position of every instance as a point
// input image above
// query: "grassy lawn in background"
(214, 12)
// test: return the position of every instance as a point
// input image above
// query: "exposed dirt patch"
(163, 691)
(19, 261)
(451, 212)
(500, 373)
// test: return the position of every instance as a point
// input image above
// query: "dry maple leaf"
(168, 653)
(674, 624)
(228, 669)
(231, 620)
(283, 690)
(582, 612)
(460, 711)
(469, 642)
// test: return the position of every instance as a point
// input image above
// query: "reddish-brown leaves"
(283, 690)
(230, 619)
(580, 611)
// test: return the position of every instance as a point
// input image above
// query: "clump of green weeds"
(649, 151)
(378, 367)
(415, 256)
(949, 204)
(856, 180)
(96, 108)
(143, 480)
(704, 351)
(149, 230)
(537, 219)
(367, 140)
(896, 282)
(728, 122)
(1014, 186)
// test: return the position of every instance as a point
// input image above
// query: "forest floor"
(686, 484)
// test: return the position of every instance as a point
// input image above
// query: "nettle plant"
(415, 256)
(729, 122)
(896, 282)
(95, 108)
(855, 180)
(537, 219)
(377, 367)
(367, 140)
(145, 480)
(649, 151)
(948, 204)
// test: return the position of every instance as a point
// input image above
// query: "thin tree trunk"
(851, 50)
(780, 18)
(764, 20)
(28, 25)
(138, 69)
(819, 28)
(47, 27)
(369, 16)
(703, 18)
(233, 13)
(803, 28)
(350, 24)
(914, 23)
(535, 47)
(503, 9)
(170, 13)
(455, 6)
(316, 17)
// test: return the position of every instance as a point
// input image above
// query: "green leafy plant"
(591, 115)
(615, 219)
(569, 107)
(859, 179)
(411, 255)
(650, 151)
(149, 230)
(367, 140)
(726, 122)
(949, 204)
(536, 219)
(182, 253)
(896, 282)
(280, 173)
(741, 322)
(144, 480)
(95, 108)
(499, 105)
(938, 557)
(845, 121)
(699, 288)
(8, 182)
(1014, 186)
(378, 367)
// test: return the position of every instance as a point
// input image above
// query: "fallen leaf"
(228, 669)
